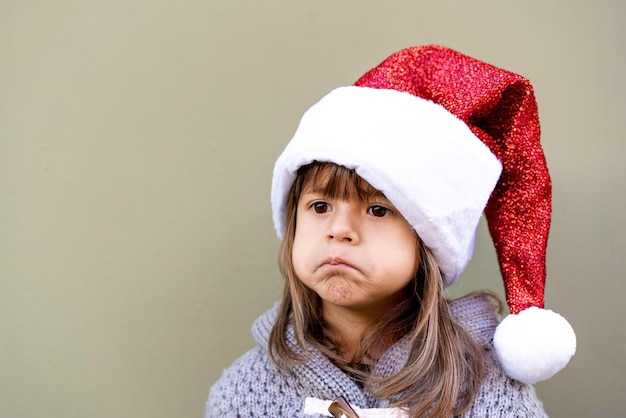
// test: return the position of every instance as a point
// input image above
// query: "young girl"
(377, 198)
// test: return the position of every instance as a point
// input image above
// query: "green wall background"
(137, 140)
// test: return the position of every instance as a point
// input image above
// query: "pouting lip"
(337, 261)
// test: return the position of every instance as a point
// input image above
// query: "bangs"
(336, 182)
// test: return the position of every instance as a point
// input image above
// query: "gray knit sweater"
(254, 387)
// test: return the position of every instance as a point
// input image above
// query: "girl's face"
(354, 252)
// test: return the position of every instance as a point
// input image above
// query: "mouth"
(337, 262)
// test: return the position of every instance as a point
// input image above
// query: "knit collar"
(324, 380)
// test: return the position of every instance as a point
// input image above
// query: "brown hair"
(445, 365)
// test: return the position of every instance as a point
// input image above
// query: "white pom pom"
(534, 344)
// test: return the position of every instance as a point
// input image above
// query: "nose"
(343, 225)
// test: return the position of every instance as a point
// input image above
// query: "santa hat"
(446, 137)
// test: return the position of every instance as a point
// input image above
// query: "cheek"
(413, 255)
(406, 255)
(300, 252)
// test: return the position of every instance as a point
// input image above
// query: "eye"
(379, 211)
(320, 207)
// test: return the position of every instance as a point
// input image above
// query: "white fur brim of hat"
(425, 160)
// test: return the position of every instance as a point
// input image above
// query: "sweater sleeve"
(502, 397)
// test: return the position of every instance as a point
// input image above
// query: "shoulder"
(253, 387)
(239, 385)
(478, 315)
(250, 367)
(501, 396)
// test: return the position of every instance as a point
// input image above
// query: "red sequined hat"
(445, 137)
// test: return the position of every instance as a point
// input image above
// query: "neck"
(346, 327)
